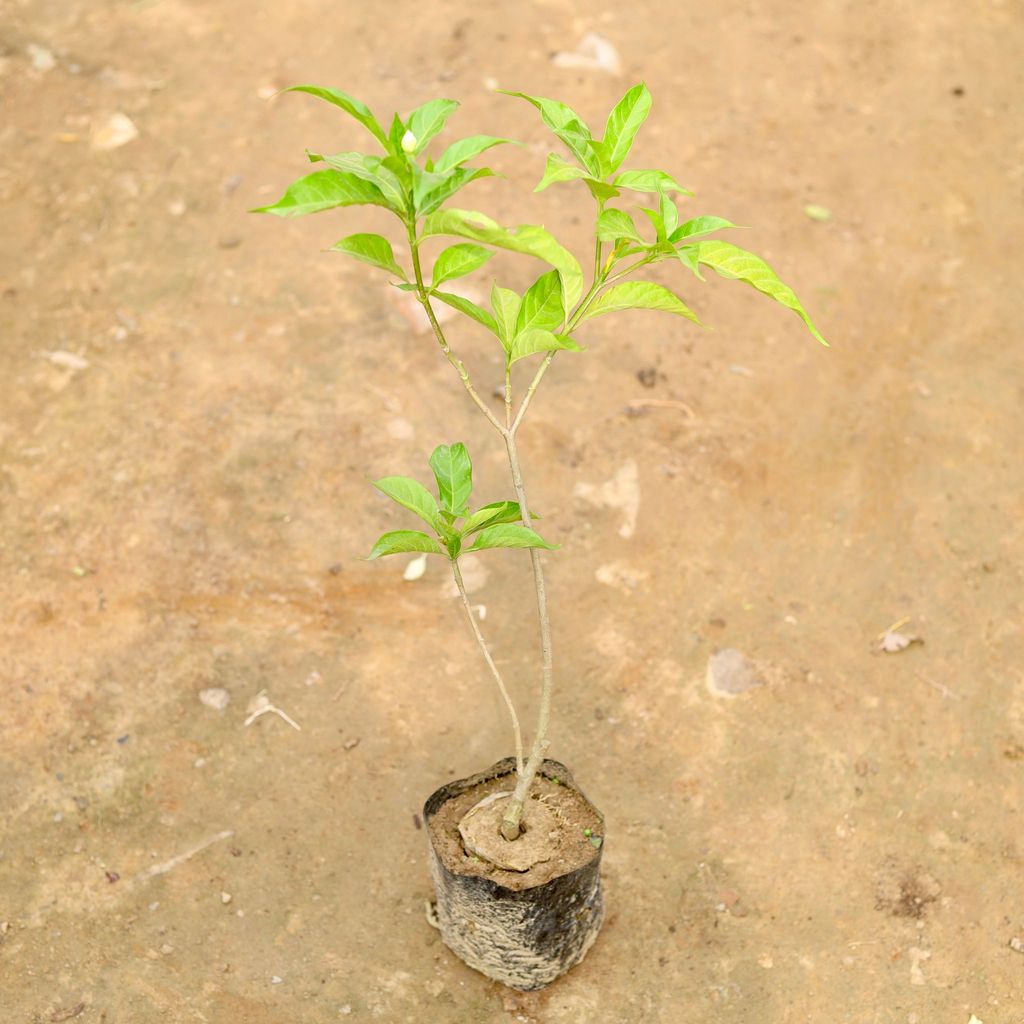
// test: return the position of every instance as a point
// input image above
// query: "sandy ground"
(187, 510)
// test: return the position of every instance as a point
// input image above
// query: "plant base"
(521, 928)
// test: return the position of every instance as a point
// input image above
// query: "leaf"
(730, 261)
(600, 190)
(492, 515)
(526, 238)
(395, 133)
(373, 170)
(508, 536)
(459, 260)
(412, 495)
(649, 181)
(655, 217)
(669, 214)
(426, 121)
(359, 110)
(453, 472)
(465, 149)
(615, 224)
(398, 541)
(535, 339)
(816, 212)
(557, 169)
(542, 305)
(324, 190)
(568, 126)
(470, 309)
(451, 182)
(505, 304)
(640, 295)
(372, 249)
(699, 226)
(623, 123)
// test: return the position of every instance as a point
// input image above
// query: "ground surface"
(843, 844)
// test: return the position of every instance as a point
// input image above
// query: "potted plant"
(515, 849)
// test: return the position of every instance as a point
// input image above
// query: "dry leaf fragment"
(594, 53)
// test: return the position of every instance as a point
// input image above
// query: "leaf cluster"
(457, 529)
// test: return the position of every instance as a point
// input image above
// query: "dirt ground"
(184, 502)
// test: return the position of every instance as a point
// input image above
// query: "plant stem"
(490, 664)
(460, 367)
(511, 826)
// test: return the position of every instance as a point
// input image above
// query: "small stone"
(58, 817)
(153, 906)
(176, 207)
(1017, 944)
(229, 241)
(166, 949)
(215, 697)
(351, 744)
(275, 980)
(115, 131)
(730, 673)
(225, 898)
(42, 59)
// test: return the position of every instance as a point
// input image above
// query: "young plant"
(407, 181)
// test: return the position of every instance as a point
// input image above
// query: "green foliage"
(427, 121)
(527, 238)
(730, 261)
(400, 541)
(372, 249)
(359, 110)
(465, 149)
(324, 190)
(497, 525)
(623, 123)
(459, 260)
(453, 472)
(640, 295)
(615, 224)
(508, 535)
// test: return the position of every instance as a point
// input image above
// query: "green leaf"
(669, 214)
(465, 149)
(623, 123)
(655, 217)
(600, 190)
(505, 304)
(453, 472)
(568, 126)
(412, 495)
(359, 110)
(535, 339)
(395, 133)
(615, 224)
(459, 260)
(373, 170)
(526, 238)
(639, 295)
(450, 183)
(324, 190)
(699, 226)
(492, 515)
(426, 121)
(372, 249)
(470, 309)
(508, 536)
(559, 169)
(542, 306)
(730, 261)
(399, 541)
(649, 181)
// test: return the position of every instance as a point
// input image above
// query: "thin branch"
(490, 664)
(460, 367)
(510, 822)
